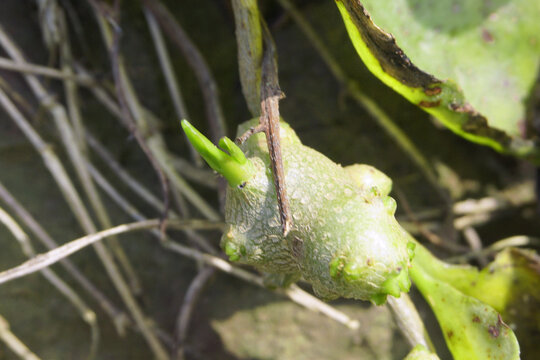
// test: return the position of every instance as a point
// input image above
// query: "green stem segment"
(235, 167)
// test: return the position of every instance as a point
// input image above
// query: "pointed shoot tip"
(234, 167)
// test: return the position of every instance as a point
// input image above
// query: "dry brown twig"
(269, 124)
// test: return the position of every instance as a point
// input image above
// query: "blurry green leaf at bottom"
(469, 63)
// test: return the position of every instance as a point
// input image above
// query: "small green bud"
(233, 166)
(378, 299)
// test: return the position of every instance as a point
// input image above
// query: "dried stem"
(156, 144)
(249, 42)
(27, 68)
(186, 311)
(44, 260)
(86, 313)
(13, 342)
(409, 321)
(118, 317)
(197, 62)
(269, 120)
(58, 172)
(269, 124)
(170, 77)
(198, 240)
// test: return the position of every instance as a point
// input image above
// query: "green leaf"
(472, 330)
(510, 284)
(469, 63)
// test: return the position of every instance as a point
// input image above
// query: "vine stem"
(73, 199)
(118, 317)
(196, 61)
(87, 314)
(409, 321)
(153, 139)
(27, 68)
(44, 260)
(13, 342)
(170, 77)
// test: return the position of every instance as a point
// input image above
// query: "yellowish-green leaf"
(510, 284)
(472, 329)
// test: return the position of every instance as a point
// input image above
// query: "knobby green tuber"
(344, 239)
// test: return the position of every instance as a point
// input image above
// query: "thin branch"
(86, 313)
(27, 68)
(118, 317)
(53, 256)
(269, 119)
(59, 173)
(13, 342)
(409, 321)
(198, 240)
(249, 42)
(193, 294)
(269, 124)
(197, 62)
(170, 77)
(312, 303)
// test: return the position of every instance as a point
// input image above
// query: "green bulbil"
(344, 238)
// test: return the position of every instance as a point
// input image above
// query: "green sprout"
(233, 166)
